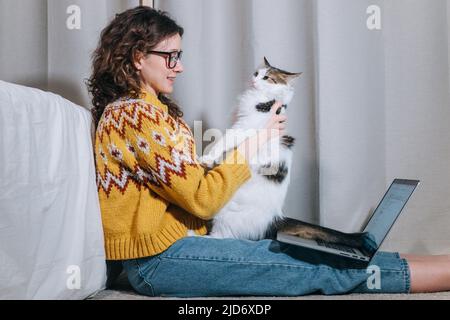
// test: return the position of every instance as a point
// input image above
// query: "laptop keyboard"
(335, 246)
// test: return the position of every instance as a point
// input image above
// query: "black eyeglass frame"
(168, 56)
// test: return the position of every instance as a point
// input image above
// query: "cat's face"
(269, 78)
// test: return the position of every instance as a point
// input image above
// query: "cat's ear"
(264, 64)
(289, 76)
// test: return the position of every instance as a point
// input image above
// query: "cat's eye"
(256, 74)
(269, 78)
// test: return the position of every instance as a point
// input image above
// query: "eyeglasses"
(171, 57)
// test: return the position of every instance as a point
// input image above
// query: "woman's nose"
(179, 67)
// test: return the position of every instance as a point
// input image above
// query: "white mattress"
(51, 239)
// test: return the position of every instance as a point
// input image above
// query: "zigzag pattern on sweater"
(139, 177)
(118, 115)
(164, 169)
(132, 113)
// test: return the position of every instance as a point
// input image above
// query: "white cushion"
(51, 239)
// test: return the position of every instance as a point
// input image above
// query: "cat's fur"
(257, 203)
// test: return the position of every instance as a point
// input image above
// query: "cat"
(258, 202)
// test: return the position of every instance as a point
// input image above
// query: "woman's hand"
(275, 127)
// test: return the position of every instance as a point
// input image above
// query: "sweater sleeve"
(160, 152)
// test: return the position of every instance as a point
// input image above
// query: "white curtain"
(23, 42)
(417, 104)
(371, 106)
(39, 49)
(223, 42)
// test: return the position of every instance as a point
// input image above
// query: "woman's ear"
(138, 58)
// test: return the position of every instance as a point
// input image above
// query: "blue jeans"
(202, 266)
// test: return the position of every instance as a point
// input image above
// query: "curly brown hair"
(114, 75)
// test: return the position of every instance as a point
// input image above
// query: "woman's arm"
(247, 142)
(162, 155)
(275, 127)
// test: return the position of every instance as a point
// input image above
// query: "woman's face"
(154, 72)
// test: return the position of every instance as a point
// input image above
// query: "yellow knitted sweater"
(151, 187)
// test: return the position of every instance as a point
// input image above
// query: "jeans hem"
(406, 275)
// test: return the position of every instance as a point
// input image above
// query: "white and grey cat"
(257, 203)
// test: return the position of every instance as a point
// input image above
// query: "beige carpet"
(126, 295)
(123, 291)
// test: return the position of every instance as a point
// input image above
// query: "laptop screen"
(389, 208)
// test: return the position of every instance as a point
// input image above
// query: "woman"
(153, 192)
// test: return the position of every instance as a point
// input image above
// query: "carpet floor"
(123, 291)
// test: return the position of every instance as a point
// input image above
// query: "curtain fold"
(39, 50)
(23, 42)
(350, 113)
(371, 105)
(69, 50)
(417, 117)
(224, 41)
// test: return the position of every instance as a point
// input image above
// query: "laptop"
(360, 246)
